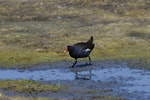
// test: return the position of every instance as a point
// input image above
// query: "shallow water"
(134, 80)
(47, 75)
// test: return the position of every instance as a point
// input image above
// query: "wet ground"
(107, 78)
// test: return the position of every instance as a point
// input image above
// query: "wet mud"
(107, 78)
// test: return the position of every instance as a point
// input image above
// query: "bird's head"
(67, 48)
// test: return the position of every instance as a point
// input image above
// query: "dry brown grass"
(39, 30)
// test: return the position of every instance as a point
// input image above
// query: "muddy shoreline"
(88, 88)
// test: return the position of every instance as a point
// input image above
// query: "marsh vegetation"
(37, 31)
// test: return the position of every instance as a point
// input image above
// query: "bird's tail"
(90, 41)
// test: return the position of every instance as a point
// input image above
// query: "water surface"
(134, 80)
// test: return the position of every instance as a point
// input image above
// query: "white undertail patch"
(87, 50)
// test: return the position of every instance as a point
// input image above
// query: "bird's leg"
(89, 60)
(74, 63)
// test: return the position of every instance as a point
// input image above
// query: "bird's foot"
(72, 66)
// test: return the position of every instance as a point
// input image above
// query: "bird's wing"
(83, 46)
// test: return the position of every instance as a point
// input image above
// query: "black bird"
(81, 50)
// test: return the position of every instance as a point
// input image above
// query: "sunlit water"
(136, 80)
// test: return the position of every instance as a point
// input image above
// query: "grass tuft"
(27, 86)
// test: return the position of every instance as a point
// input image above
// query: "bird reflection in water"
(83, 71)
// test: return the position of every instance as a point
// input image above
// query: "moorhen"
(81, 50)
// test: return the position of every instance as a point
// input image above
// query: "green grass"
(37, 32)
(28, 86)
(25, 58)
